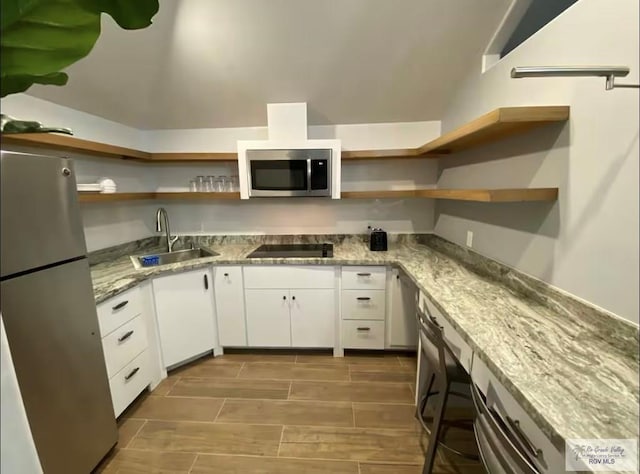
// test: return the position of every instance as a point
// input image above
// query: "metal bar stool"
(443, 369)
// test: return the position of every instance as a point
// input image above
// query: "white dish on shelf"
(91, 187)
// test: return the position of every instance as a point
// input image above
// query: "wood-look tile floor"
(264, 413)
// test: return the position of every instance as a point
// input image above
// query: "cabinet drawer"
(550, 460)
(289, 276)
(363, 304)
(127, 384)
(123, 344)
(118, 310)
(364, 278)
(363, 334)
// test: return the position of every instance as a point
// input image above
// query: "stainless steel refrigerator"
(50, 317)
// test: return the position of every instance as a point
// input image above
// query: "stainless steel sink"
(157, 259)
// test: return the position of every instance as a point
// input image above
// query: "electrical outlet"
(469, 239)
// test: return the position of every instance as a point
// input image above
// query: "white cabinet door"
(230, 306)
(185, 312)
(403, 328)
(313, 318)
(268, 322)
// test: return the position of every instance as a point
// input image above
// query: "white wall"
(587, 242)
(109, 224)
(17, 452)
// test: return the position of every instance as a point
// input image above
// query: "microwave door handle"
(309, 174)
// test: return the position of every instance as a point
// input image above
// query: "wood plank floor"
(263, 413)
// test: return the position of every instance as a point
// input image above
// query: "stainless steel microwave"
(286, 173)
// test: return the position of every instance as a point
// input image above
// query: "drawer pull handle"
(226, 274)
(364, 329)
(515, 427)
(125, 336)
(120, 305)
(132, 373)
(364, 274)
(363, 298)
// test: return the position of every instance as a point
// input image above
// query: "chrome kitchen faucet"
(162, 220)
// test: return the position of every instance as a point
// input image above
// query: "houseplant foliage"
(39, 38)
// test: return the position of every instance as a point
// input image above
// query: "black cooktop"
(293, 251)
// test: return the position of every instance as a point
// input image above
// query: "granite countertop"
(573, 370)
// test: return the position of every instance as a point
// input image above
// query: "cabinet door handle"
(226, 274)
(120, 305)
(364, 274)
(293, 298)
(515, 427)
(206, 282)
(132, 373)
(284, 297)
(364, 329)
(363, 298)
(125, 336)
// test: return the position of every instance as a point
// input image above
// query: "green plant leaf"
(41, 37)
(128, 14)
(15, 84)
(13, 10)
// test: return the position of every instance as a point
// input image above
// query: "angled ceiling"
(216, 63)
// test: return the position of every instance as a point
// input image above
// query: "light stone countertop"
(573, 370)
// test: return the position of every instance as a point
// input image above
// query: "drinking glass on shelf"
(235, 183)
(210, 184)
(200, 183)
(193, 185)
(224, 183)
(217, 184)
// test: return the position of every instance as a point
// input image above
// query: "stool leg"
(430, 455)
(424, 393)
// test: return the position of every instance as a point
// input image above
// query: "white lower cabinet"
(363, 304)
(402, 327)
(268, 320)
(123, 328)
(290, 316)
(313, 318)
(186, 315)
(229, 296)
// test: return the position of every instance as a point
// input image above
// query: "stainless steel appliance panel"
(52, 327)
(289, 173)
(40, 216)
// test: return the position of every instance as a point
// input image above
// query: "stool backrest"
(434, 347)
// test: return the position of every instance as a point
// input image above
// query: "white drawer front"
(500, 399)
(364, 278)
(118, 310)
(363, 334)
(123, 344)
(458, 346)
(127, 384)
(289, 276)
(363, 304)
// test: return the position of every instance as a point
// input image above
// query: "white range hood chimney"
(287, 121)
(287, 130)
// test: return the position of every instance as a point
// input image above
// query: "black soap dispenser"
(378, 240)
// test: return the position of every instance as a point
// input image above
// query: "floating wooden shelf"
(105, 197)
(496, 125)
(197, 196)
(186, 157)
(479, 195)
(73, 144)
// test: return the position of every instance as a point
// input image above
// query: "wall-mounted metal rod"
(608, 72)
